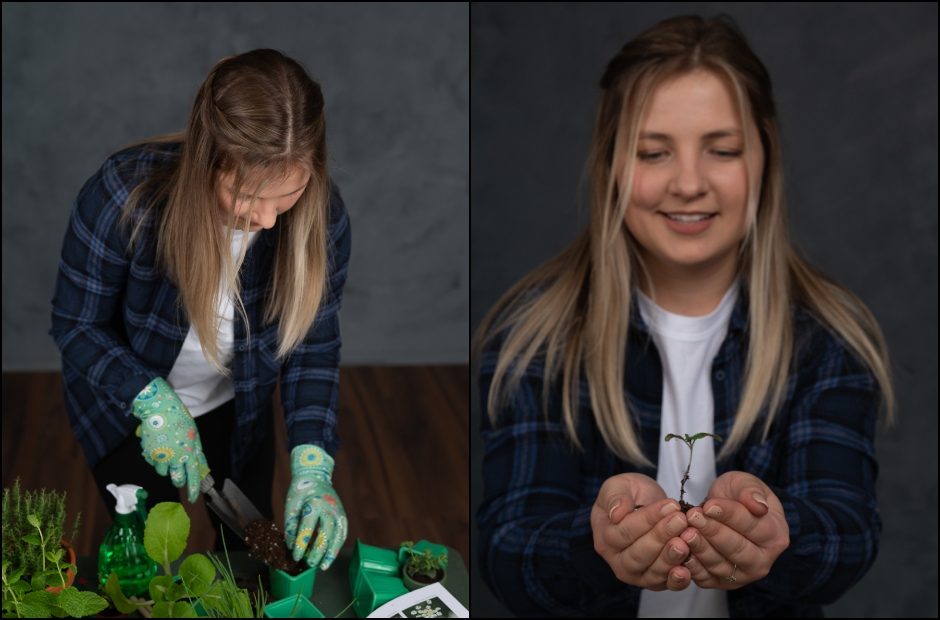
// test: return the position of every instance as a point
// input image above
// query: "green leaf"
(15, 575)
(165, 533)
(38, 581)
(20, 587)
(243, 602)
(40, 597)
(113, 589)
(214, 597)
(672, 436)
(698, 436)
(182, 609)
(197, 573)
(32, 539)
(80, 604)
(159, 586)
(33, 610)
(161, 610)
(33, 520)
(55, 556)
(175, 592)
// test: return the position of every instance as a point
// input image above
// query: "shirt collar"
(736, 324)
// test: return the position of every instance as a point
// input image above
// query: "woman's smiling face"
(689, 165)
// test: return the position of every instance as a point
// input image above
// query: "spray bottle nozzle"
(126, 495)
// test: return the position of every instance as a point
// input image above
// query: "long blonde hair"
(258, 116)
(575, 309)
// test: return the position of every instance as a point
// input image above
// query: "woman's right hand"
(169, 438)
(636, 530)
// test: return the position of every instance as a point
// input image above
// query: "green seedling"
(689, 440)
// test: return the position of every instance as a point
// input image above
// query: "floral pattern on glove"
(168, 437)
(313, 512)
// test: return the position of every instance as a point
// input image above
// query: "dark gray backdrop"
(80, 80)
(856, 88)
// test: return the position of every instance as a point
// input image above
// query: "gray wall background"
(80, 80)
(856, 88)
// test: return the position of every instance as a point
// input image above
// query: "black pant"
(125, 465)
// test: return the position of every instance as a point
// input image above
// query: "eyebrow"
(230, 188)
(711, 135)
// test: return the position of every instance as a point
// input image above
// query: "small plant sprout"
(689, 441)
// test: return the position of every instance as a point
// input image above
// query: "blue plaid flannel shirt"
(536, 548)
(116, 323)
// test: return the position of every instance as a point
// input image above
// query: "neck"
(689, 291)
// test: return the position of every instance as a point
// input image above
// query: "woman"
(682, 309)
(198, 269)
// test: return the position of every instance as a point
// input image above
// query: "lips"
(689, 223)
(688, 213)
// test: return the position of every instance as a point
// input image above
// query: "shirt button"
(123, 405)
(720, 375)
(241, 347)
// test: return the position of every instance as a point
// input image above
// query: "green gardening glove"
(313, 506)
(169, 437)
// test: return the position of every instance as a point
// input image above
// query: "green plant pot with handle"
(292, 607)
(375, 591)
(368, 558)
(284, 585)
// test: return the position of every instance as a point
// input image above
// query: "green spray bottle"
(122, 550)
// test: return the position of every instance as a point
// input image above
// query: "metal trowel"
(232, 506)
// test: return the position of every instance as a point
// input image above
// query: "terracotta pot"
(70, 574)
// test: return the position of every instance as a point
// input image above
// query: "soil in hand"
(266, 543)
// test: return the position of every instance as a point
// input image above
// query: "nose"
(264, 216)
(689, 180)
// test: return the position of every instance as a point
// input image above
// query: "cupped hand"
(636, 531)
(740, 535)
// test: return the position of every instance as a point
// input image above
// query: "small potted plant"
(38, 562)
(689, 440)
(422, 567)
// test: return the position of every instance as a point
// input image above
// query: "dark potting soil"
(266, 543)
(422, 578)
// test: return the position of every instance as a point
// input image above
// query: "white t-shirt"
(687, 346)
(198, 383)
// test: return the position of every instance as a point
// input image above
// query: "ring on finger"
(731, 578)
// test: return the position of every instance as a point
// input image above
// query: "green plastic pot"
(301, 608)
(375, 590)
(420, 546)
(284, 585)
(367, 558)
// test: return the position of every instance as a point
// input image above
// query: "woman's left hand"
(740, 536)
(315, 524)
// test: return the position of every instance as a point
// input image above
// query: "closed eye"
(656, 155)
(244, 197)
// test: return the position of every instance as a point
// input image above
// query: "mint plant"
(689, 440)
(31, 599)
